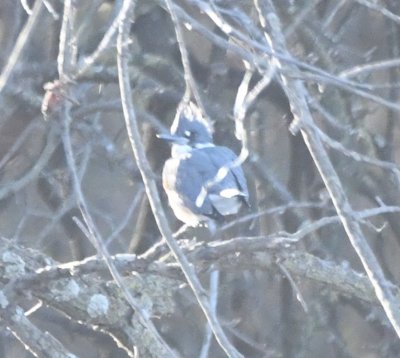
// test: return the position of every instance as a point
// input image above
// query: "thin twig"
(214, 283)
(104, 45)
(17, 184)
(190, 84)
(22, 40)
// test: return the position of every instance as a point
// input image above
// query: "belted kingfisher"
(195, 193)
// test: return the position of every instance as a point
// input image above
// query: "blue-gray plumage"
(195, 194)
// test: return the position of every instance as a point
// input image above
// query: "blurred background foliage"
(258, 307)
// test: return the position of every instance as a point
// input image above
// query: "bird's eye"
(188, 134)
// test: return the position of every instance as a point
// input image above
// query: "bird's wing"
(235, 182)
(200, 168)
(190, 177)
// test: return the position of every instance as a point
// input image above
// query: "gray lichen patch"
(98, 305)
(14, 264)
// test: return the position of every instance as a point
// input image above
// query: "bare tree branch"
(297, 96)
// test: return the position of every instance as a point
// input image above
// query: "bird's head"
(189, 129)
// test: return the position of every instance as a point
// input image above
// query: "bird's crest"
(191, 112)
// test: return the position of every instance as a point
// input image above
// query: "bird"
(203, 181)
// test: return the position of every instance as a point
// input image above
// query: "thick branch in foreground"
(74, 287)
(82, 295)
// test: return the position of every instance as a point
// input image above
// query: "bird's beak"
(173, 138)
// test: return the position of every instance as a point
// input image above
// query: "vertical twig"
(214, 283)
(190, 84)
(66, 59)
